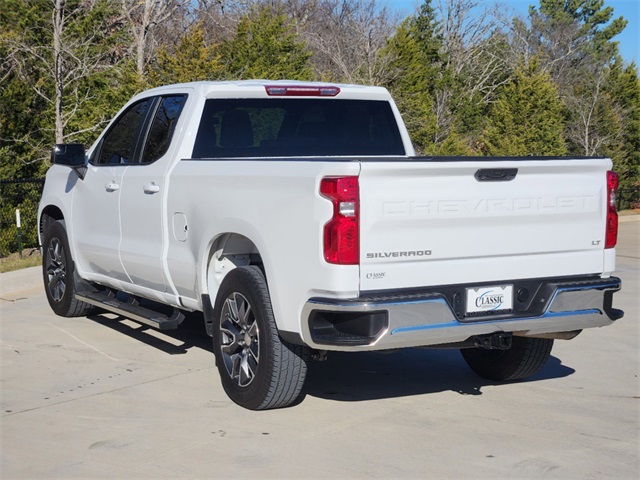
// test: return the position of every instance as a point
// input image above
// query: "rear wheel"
(58, 273)
(258, 369)
(525, 358)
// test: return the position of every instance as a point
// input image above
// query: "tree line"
(469, 80)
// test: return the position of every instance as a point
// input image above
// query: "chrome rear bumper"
(428, 319)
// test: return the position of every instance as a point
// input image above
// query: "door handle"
(151, 188)
(111, 187)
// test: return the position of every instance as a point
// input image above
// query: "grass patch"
(30, 258)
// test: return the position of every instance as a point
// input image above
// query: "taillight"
(611, 237)
(342, 232)
(301, 91)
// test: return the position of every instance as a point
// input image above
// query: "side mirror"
(70, 154)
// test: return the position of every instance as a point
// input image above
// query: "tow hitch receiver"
(494, 341)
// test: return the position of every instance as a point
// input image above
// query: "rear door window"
(162, 127)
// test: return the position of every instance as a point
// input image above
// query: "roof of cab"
(256, 88)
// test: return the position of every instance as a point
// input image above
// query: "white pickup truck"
(298, 219)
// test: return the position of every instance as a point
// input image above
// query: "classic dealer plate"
(490, 299)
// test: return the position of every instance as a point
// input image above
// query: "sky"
(629, 39)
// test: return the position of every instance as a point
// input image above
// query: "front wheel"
(258, 369)
(525, 358)
(58, 273)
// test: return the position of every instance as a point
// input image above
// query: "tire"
(258, 369)
(525, 358)
(58, 273)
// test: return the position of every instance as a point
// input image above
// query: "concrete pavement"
(100, 397)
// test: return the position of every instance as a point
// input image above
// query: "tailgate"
(427, 222)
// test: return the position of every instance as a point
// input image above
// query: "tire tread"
(287, 369)
(288, 375)
(525, 358)
(70, 306)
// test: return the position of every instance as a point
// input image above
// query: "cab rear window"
(282, 127)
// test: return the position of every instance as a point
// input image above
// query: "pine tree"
(575, 45)
(416, 67)
(265, 46)
(623, 87)
(526, 118)
(594, 25)
(191, 60)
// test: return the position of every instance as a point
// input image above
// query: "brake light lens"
(342, 232)
(611, 236)
(301, 91)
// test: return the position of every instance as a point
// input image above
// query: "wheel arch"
(50, 213)
(225, 253)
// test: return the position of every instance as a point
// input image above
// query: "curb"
(632, 217)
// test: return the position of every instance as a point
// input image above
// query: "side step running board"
(134, 312)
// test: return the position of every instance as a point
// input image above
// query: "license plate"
(490, 299)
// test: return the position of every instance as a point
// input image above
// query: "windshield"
(284, 127)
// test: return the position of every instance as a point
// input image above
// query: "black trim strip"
(390, 158)
(531, 297)
(593, 279)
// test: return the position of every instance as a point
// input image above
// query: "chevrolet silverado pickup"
(297, 218)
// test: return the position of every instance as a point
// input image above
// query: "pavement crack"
(12, 300)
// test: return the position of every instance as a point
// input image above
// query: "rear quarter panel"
(277, 206)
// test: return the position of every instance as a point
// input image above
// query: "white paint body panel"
(276, 206)
(546, 222)
(543, 223)
(96, 222)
